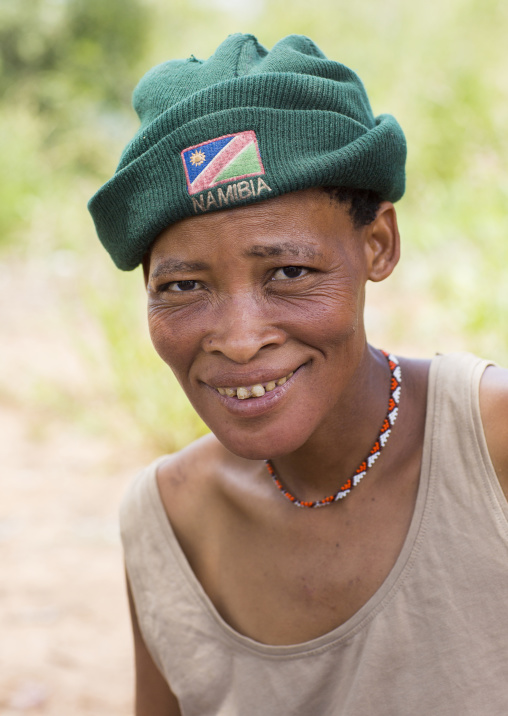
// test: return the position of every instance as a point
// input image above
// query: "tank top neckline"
(379, 600)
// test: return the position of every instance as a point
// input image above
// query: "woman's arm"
(494, 412)
(153, 695)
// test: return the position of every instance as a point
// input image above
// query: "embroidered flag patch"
(228, 158)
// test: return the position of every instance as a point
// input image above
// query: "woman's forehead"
(297, 225)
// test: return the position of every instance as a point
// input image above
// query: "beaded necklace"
(375, 452)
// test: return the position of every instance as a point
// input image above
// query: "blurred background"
(84, 400)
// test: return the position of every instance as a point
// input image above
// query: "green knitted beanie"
(243, 126)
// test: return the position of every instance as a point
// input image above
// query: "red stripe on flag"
(206, 179)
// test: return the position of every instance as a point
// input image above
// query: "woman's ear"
(382, 243)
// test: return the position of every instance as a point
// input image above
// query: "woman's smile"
(254, 391)
(259, 398)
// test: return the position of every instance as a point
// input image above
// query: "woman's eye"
(289, 272)
(187, 285)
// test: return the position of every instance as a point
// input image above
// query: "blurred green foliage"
(67, 71)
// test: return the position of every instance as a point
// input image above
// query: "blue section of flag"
(209, 149)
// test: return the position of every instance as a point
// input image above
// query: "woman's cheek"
(174, 337)
(330, 317)
(162, 336)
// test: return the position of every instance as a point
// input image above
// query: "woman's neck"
(331, 456)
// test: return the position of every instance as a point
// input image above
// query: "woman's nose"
(242, 327)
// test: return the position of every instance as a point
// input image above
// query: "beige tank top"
(433, 640)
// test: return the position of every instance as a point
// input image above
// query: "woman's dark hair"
(363, 203)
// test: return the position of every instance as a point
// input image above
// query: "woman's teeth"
(254, 391)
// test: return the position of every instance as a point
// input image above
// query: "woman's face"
(268, 296)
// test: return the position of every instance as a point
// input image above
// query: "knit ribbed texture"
(312, 124)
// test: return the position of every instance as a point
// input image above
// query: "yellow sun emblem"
(197, 158)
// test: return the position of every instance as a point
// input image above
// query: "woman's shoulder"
(201, 466)
(196, 482)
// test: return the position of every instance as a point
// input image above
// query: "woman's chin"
(251, 448)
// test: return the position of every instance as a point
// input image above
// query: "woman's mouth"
(253, 391)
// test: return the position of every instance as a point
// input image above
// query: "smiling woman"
(255, 314)
(258, 196)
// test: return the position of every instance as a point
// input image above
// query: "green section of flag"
(247, 162)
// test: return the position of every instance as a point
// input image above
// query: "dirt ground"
(65, 645)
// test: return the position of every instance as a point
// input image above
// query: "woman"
(258, 196)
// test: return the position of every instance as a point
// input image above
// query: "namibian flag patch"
(225, 159)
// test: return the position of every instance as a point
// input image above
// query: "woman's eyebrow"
(175, 265)
(284, 248)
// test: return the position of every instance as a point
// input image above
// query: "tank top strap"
(461, 469)
(456, 379)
